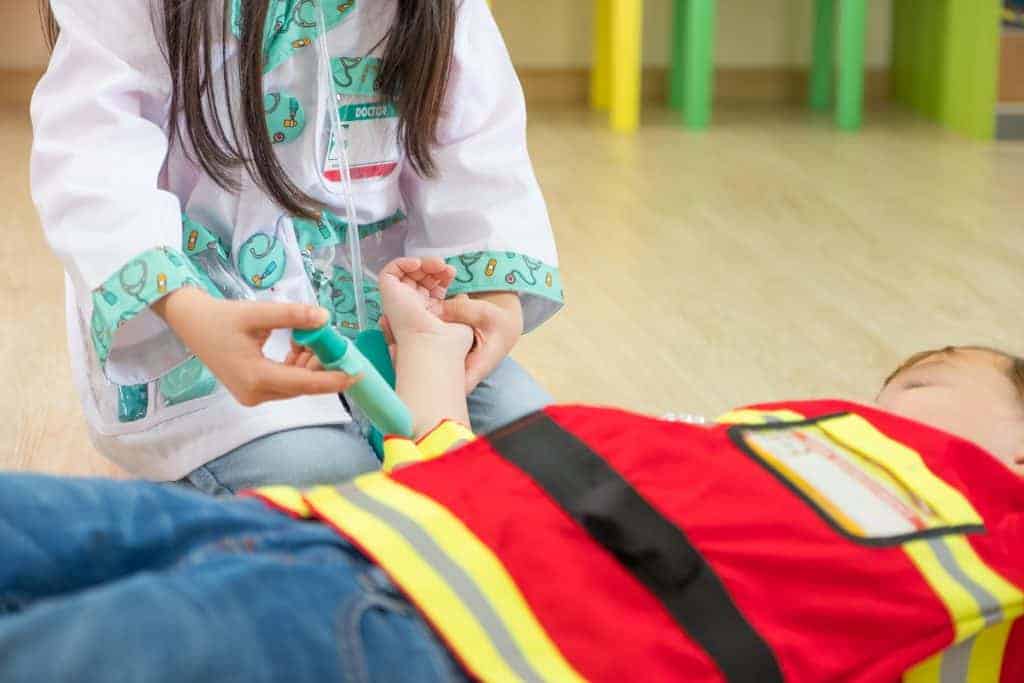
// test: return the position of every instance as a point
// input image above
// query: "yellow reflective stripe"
(1009, 596)
(903, 464)
(975, 596)
(446, 437)
(986, 663)
(287, 498)
(977, 660)
(928, 671)
(483, 567)
(759, 417)
(964, 610)
(490, 627)
(426, 587)
(399, 452)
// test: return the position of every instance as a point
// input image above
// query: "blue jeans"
(107, 581)
(317, 455)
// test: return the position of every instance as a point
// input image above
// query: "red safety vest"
(817, 541)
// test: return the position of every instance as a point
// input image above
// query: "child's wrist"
(442, 343)
(171, 306)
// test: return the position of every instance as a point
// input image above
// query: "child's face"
(965, 392)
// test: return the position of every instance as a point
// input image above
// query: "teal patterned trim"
(356, 76)
(291, 26)
(331, 230)
(187, 382)
(140, 283)
(286, 119)
(314, 235)
(132, 402)
(197, 238)
(337, 297)
(505, 271)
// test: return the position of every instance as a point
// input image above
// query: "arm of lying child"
(430, 358)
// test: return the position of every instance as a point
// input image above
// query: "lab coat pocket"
(122, 409)
(186, 389)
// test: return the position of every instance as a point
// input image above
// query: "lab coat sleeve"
(97, 157)
(483, 210)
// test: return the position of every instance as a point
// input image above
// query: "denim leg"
(255, 601)
(507, 395)
(298, 457)
(63, 535)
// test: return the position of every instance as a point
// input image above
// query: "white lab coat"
(131, 217)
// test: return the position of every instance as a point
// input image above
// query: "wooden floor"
(770, 258)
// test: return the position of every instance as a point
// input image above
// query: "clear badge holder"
(225, 279)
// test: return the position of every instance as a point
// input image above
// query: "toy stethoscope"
(325, 257)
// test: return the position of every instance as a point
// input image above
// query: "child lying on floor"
(805, 541)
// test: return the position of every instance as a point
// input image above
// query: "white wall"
(556, 33)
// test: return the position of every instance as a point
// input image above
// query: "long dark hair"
(413, 76)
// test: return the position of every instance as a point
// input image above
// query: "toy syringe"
(372, 393)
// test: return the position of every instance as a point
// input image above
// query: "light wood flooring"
(770, 258)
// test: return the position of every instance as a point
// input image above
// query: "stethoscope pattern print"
(355, 75)
(261, 260)
(134, 288)
(340, 300)
(290, 26)
(289, 127)
(517, 269)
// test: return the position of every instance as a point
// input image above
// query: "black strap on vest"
(655, 551)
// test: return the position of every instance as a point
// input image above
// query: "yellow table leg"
(600, 71)
(626, 48)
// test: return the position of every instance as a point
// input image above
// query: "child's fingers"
(433, 265)
(440, 280)
(262, 316)
(479, 363)
(447, 277)
(437, 275)
(283, 382)
(313, 363)
(402, 267)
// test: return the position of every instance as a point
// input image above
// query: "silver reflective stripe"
(956, 662)
(456, 578)
(991, 610)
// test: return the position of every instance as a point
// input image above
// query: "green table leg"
(699, 62)
(852, 27)
(677, 73)
(823, 64)
(972, 70)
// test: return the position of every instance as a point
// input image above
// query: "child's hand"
(228, 337)
(412, 293)
(497, 322)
